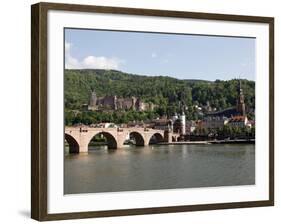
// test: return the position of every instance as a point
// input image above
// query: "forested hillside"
(165, 92)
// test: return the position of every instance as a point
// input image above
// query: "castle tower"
(93, 99)
(134, 100)
(115, 103)
(240, 106)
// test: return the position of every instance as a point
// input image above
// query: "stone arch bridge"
(79, 137)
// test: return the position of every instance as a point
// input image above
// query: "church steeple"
(240, 100)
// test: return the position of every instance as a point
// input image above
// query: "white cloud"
(90, 62)
(101, 62)
(153, 55)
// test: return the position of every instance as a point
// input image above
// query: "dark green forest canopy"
(160, 90)
(167, 93)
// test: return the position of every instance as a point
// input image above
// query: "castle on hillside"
(117, 103)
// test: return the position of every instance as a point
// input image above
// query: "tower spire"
(240, 87)
(239, 83)
(240, 99)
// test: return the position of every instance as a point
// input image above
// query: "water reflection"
(159, 167)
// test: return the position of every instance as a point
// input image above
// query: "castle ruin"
(118, 103)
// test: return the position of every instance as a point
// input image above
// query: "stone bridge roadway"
(79, 137)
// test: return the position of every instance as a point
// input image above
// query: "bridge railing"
(119, 129)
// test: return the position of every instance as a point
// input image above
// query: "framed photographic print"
(139, 111)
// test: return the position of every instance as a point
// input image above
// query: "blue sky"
(179, 56)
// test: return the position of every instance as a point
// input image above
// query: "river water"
(159, 167)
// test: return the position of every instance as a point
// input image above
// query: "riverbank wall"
(236, 141)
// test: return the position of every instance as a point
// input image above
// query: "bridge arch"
(138, 138)
(156, 138)
(73, 144)
(111, 140)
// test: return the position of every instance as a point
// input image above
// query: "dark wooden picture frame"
(39, 202)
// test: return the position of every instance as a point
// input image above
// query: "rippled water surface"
(159, 167)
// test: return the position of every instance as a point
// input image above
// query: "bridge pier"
(83, 148)
(170, 138)
(146, 142)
